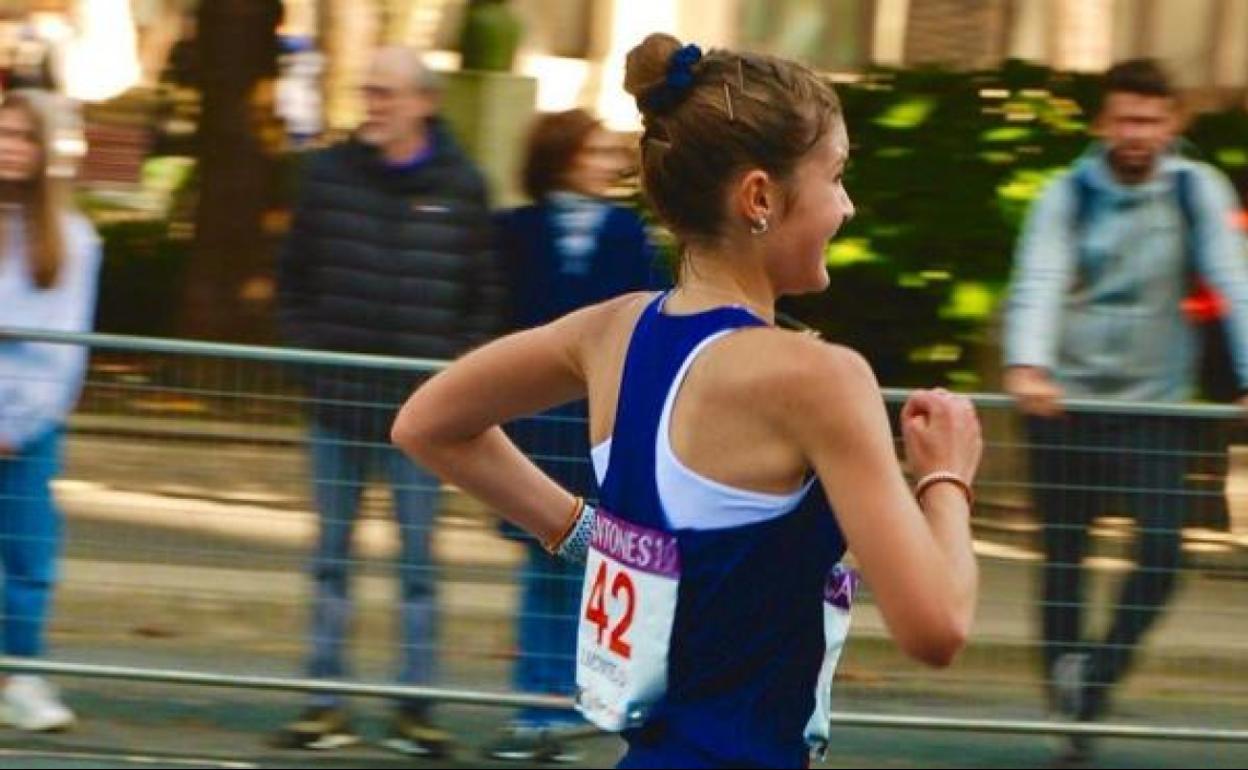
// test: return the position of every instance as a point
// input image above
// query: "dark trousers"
(1081, 463)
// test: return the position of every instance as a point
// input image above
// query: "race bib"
(628, 604)
(838, 599)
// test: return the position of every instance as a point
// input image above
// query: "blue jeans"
(550, 602)
(30, 540)
(341, 468)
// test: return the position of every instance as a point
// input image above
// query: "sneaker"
(1071, 697)
(561, 751)
(1074, 750)
(517, 743)
(1070, 678)
(320, 728)
(415, 736)
(32, 703)
(527, 743)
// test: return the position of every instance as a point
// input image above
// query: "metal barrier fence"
(188, 488)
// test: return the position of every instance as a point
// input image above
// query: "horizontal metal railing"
(209, 430)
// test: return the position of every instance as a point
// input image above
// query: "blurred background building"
(194, 117)
(575, 47)
(98, 49)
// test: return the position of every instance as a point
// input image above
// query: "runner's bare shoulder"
(796, 370)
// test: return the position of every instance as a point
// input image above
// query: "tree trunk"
(237, 60)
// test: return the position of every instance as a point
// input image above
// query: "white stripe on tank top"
(691, 500)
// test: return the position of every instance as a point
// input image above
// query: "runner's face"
(816, 207)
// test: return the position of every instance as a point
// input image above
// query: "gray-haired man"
(389, 253)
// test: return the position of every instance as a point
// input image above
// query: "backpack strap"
(1084, 196)
(1185, 195)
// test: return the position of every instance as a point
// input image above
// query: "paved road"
(186, 556)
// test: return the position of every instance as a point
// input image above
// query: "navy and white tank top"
(709, 614)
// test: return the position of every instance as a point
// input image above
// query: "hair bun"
(646, 66)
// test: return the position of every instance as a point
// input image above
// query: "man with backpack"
(1108, 254)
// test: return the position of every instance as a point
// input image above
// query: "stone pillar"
(490, 113)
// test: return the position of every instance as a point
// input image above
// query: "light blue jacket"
(1103, 315)
(40, 382)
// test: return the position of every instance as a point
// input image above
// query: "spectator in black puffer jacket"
(389, 253)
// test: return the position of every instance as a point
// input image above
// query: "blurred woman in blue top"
(49, 258)
(571, 248)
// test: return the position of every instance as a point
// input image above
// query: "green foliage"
(943, 168)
